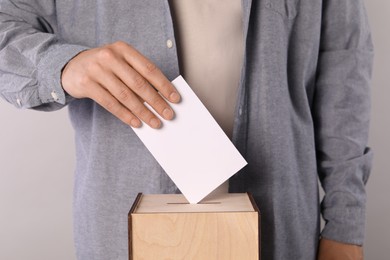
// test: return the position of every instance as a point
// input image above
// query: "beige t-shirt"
(210, 45)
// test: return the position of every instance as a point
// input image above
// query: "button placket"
(169, 43)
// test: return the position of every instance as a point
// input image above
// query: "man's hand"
(120, 79)
(332, 250)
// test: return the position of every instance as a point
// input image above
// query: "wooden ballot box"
(166, 226)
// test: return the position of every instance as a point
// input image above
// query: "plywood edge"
(252, 200)
(229, 202)
(254, 205)
(130, 233)
(136, 203)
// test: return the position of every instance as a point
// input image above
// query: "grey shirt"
(302, 113)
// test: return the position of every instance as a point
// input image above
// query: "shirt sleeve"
(341, 111)
(32, 55)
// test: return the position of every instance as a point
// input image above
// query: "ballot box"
(166, 226)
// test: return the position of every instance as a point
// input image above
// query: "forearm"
(32, 57)
(341, 114)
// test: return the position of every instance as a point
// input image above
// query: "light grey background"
(37, 162)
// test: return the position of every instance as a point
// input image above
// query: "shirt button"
(19, 102)
(54, 96)
(169, 44)
(240, 111)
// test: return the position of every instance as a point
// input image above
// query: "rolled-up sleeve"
(32, 55)
(341, 112)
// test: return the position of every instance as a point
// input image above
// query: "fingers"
(121, 79)
(132, 102)
(150, 72)
(112, 105)
(140, 86)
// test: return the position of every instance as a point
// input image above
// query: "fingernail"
(174, 97)
(135, 123)
(168, 113)
(154, 123)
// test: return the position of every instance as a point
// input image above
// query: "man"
(294, 100)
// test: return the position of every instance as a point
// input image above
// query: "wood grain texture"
(227, 202)
(203, 236)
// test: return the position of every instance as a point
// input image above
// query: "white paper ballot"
(192, 148)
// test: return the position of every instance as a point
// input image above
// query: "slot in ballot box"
(166, 226)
